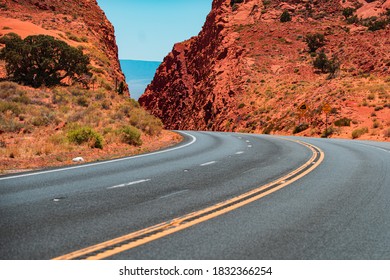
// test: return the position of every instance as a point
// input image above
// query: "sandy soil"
(20, 164)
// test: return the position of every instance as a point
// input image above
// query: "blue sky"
(147, 29)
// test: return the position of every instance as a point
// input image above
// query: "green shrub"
(285, 17)
(131, 135)
(315, 41)
(144, 121)
(359, 132)
(85, 134)
(9, 125)
(353, 19)
(300, 128)
(60, 96)
(343, 122)
(377, 25)
(327, 132)
(326, 65)
(82, 101)
(348, 12)
(10, 106)
(121, 88)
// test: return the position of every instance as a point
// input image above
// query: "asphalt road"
(340, 210)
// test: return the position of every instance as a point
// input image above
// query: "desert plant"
(327, 132)
(343, 122)
(348, 12)
(144, 121)
(13, 107)
(359, 132)
(121, 88)
(41, 60)
(326, 65)
(353, 19)
(285, 17)
(85, 134)
(131, 135)
(315, 41)
(300, 128)
(82, 101)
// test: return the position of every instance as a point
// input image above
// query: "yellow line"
(177, 224)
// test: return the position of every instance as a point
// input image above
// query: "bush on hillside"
(131, 135)
(315, 41)
(85, 134)
(42, 60)
(326, 65)
(359, 132)
(343, 122)
(285, 17)
(348, 12)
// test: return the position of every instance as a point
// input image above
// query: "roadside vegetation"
(55, 105)
(42, 60)
(70, 117)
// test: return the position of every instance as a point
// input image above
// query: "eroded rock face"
(81, 23)
(247, 71)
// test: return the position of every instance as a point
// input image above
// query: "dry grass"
(35, 124)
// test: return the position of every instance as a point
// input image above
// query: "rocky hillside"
(271, 66)
(51, 125)
(79, 23)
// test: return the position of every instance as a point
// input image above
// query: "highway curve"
(214, 196)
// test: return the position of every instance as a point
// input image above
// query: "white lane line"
(372, 146)
(249, 146)
(129, 184)
(247, 141)
(250, 170)
(208, 163)
(240, 153)
(173, 194)
(106, 162)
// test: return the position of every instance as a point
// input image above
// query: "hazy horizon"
(138, 73)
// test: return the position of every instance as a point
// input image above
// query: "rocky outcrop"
(80, 23)
(248, 71)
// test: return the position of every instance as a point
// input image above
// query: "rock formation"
(248, 71)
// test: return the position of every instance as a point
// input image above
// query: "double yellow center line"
(135, 239)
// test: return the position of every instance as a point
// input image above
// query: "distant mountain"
(138, 74)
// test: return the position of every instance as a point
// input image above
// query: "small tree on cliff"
(315, 41)
(285, 17)
(42, 60)
(331, 66)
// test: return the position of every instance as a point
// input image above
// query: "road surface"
(214, 196)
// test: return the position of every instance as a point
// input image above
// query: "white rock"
(78, 159)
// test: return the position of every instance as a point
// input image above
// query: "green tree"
(315, 41)
(42, 60)
(326, 65)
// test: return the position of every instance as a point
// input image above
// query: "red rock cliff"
(248, 71)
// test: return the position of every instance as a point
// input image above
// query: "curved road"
(334, 208)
